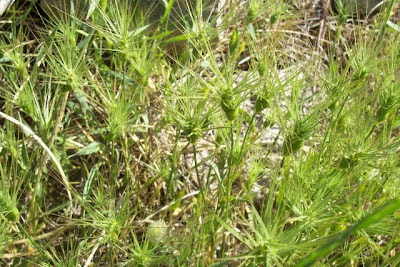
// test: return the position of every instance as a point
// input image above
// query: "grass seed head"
(13, 215)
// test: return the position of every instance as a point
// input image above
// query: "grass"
(130, 142)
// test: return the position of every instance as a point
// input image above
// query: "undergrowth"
(247, 133)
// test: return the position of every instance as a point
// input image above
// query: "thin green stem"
(50, 142)
(197, 171)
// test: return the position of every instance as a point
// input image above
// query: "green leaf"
(119, 76)
(393, 26)
(252, 31)
(233, 43)
(89, 181)
(24, 162)
(88, 150)
(167, 11)
(83, 102)
(92, 7)
(138, 31)
(176, 39)
(86, 41)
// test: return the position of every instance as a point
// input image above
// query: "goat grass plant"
(129, 139)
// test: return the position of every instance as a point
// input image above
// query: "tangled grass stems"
(253, 150)
(27, 130)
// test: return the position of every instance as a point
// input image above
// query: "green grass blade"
(368, 220)
(167, 11)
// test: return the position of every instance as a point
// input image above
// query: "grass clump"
(131, 135)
